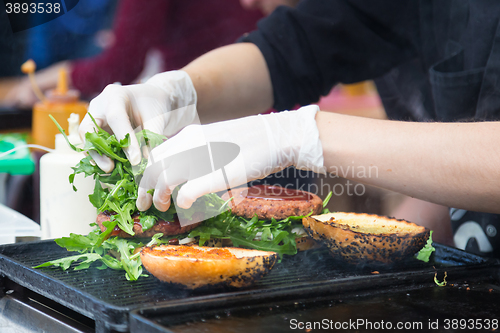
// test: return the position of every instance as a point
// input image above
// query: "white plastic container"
(15, 226)
(62, 210)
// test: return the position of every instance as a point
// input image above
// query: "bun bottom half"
(195, 267)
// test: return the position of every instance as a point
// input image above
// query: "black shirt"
(431, 60)
(413, 49)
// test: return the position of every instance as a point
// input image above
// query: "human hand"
(164, 104)
(214, 157)
(22, 94)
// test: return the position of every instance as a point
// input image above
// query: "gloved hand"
(164, 104)
(267, 144)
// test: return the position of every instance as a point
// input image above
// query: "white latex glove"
(164, 104)
(267, 144)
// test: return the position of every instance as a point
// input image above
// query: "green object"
(425, 253)
(18, 162)
(440, 284)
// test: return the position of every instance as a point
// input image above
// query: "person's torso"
(194, 27)
(455, 76)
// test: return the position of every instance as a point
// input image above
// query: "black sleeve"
(322, 42)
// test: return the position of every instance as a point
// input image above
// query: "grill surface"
(107, 297)
(416, 308)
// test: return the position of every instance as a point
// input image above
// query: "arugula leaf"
(165, 216)
(147, 221)
(65, 263)
(288, 247)
(124, 217)
(98, 198)
(112, 178)
(125, 142)
(64, 135)
(149, 138)
(101, 237)
(325, 202)
(101, 145)
(111, 262)
(154, 240)
(327, 199)
(440, 284)
(86, 167)
(276, 235)
(74, 242)
(132, 267)
(425, 253)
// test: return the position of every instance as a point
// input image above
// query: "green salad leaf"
(425, 253)
(325, 202)
(266, 235)
(64, 263)
(440, 284)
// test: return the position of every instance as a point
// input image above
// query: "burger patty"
(266, 205)
(166, 227)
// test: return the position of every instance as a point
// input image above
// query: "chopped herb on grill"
(425, 253)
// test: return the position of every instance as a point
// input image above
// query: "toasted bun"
(306, 243)
(364, 238)
(195, 267)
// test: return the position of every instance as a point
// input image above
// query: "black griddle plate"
(107, 297)
(471, 306)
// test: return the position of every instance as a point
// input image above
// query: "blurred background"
(100, 42)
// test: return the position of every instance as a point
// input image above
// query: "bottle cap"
(62, 94)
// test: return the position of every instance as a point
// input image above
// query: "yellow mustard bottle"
(60, 103)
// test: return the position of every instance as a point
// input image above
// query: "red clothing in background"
(181, 30)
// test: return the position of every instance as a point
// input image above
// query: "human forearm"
(22, 94)
(231, 82)
(453, 164)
